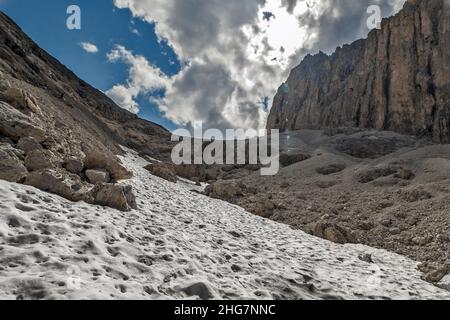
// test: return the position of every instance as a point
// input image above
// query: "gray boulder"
(98, 159)
(74, 165)
(16, 125)
(97, 176)
(60, 182)
(11, 167)
(38, 159)
(28, 144)
(115, 196)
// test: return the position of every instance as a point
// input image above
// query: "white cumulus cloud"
(143, 78)
(89, 47)
(236, 53)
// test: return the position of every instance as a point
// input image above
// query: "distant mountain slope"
(397, 79)
(68, 103)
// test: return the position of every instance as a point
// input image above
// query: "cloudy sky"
(177, 62)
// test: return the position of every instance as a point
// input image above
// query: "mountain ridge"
(396, 79)
(22, 59)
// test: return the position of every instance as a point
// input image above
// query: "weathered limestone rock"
(16, 125)
(22, 100)
(97, 176)
(287, 160)
(60, 182)
(39, 159)
(331, 169)
(115, 196)
(191, 171)
(11, 167)
(395, 80)
(28, 144)
(226, 190)
(74, 165)
(163, 170)
(97, 159)
(331, 232)
(262, 207)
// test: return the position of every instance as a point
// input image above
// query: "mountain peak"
(396, 79)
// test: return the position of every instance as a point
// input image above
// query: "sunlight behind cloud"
(279, 36)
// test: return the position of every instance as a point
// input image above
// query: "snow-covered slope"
(180, 244)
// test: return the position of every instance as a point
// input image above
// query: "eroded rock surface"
(395, 80)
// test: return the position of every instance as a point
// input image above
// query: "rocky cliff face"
(397, 79)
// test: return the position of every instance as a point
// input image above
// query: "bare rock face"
(11, 167)
(395, 80)
(114, 196)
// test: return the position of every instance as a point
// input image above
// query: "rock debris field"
(180, 244)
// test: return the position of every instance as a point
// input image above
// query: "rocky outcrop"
(164, 171)
(74, 165)
(287, 160)
(226, 190)
(11, 167)
(103, 160)
(57, 181)
(331, 232)
(97, 176)
(115, 196)
(397, 79)
(16, 125)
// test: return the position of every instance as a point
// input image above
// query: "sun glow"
(279, 34)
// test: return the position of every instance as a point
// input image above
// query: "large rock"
(74, 165)
(60, 182)
(445, 283)
(226, 190)
(98, 159)
(39, 159)
(22, 100)
(165, 171)
(192, 171)
(97, 176)
(287, 160)
(16, 125)
(28, 144)
(331, 169)
(331, 232)
(262, 207)
(115, 196)
(71, 187)
(11, 167)
(395, 80)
